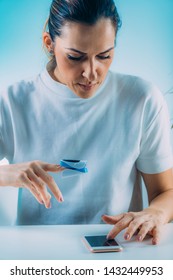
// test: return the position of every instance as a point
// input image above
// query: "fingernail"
(61, 199)
(109, 236)
(49, 205)
(154, 241)
(126, 236)
(105, 215)
(139, 238)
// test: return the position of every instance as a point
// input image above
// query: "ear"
(47, 41)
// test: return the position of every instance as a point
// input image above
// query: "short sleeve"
(6, 131)
(2, 154)
(155, 148)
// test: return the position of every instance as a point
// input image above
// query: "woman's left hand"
(148, 221)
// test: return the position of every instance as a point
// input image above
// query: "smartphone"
(100, 243)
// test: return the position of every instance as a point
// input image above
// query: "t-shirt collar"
(61, 89)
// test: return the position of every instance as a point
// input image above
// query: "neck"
(54, 73)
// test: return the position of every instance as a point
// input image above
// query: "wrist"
(159, 213)
(4, 175)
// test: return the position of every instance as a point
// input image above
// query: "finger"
(40, 187)
(112, 219)
(36, 195)
(28, 185)
(156, 235)
(133, 227)
(52, 167)
(150, 232)
(50, 182)
(145, 229)
(119, 226)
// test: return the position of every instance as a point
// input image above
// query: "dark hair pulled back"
(80, 11)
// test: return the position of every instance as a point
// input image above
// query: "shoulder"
(136, 89)
(133, 83)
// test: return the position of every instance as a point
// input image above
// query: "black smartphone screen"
(100, 240)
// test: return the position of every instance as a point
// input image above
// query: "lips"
(87, 86)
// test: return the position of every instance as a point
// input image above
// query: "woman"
(76, 108)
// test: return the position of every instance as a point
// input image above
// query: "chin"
(85, 93)
(86, 97)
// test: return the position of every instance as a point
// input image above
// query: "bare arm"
(150, 220)
(160, 193)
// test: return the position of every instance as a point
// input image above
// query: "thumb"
(112, 219)
(52, 167)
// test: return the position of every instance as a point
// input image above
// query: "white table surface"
(64, 242)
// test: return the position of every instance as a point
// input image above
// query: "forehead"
(82, 36)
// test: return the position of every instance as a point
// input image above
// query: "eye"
(103, 57)
(76, 58)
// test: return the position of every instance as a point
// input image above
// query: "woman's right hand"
(34, 177)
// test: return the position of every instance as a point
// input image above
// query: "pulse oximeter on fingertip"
(78, 165)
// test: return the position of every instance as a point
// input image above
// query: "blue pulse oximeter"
(78, 165)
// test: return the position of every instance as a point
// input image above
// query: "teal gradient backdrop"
(144, 45)
(144, 48)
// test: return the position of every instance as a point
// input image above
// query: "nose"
(90, 71)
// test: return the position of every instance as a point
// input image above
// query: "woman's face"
(83, 54)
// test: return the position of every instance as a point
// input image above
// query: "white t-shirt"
(123, 129)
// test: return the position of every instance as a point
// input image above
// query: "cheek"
(103, 69)
(68, 70)
(62, 63)
(109, 62)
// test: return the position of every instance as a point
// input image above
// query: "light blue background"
(144, 45)
(144, 48)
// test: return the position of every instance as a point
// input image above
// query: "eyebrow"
(74, 50)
